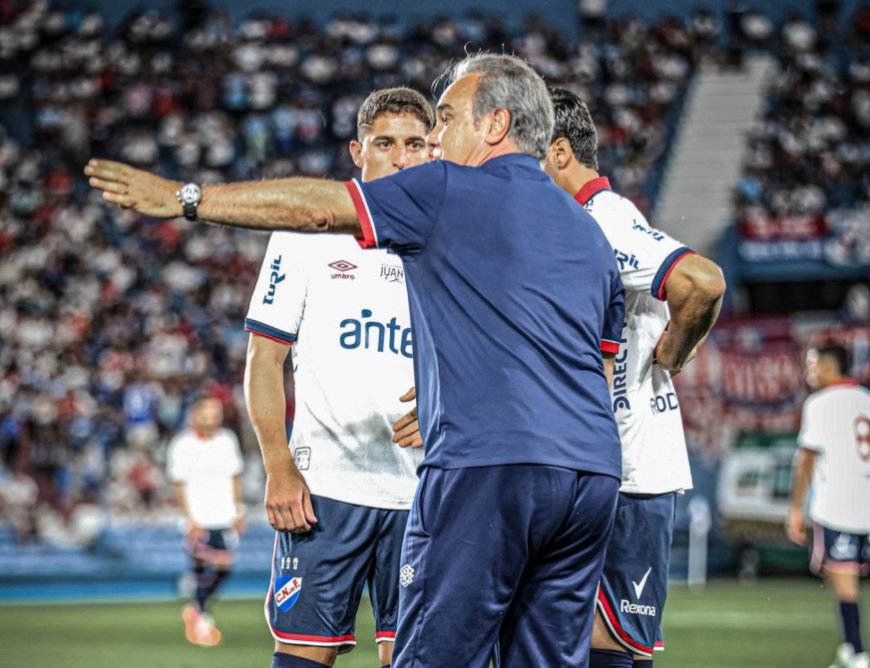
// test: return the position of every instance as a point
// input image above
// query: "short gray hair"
(507, 82)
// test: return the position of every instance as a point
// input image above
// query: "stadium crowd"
(808, 155)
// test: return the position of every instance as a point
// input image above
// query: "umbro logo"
(342, 265)
(406, 575)
(343, 269)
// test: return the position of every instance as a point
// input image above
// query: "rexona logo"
(274, 278)
(343, 269)
(636, 608)
(366, 332)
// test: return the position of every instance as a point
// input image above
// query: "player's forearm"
(695, 292)
(238, 493)
(266, 402)
(299, 204)
(608, 370)
(803, 468)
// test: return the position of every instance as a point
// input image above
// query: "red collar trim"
(848, 382)
(591, 189)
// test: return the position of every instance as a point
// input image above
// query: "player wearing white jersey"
(344, 312)
(834, 454)
(342, 309)
(205, 465)
(672, 299)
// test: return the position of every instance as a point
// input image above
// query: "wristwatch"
(190, 195)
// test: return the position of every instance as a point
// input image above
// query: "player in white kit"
(672, 299)
(834, 455)
(344, 313)
(205, 465)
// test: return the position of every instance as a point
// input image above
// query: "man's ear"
(561, 153)
(355, 150)
(498, 126)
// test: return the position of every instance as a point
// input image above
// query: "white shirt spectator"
(207, 468)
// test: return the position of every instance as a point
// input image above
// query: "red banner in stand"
(749, 377)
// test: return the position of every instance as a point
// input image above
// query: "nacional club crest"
(287, 592)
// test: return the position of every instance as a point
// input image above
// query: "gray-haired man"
(512, 287)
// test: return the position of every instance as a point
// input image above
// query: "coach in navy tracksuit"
(514, 295)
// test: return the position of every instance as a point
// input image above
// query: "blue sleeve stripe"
(658, 285)
(269, 332)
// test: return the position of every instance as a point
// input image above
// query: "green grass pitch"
(788, 623)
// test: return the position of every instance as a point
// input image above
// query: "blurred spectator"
(18, 496)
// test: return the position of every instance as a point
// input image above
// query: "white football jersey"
(207, 467)
(835, 423)
(654, 457)
(345, 311)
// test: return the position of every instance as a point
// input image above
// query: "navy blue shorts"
(318, 577)
(214, 546)
(502, 562)
(634, 583)
(839, 550)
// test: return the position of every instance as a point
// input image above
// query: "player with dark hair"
(672, 300)
(205, 464)
(344, 313)
(514, 297)
(834, 455)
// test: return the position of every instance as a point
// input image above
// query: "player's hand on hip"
(131, 188)
(288, 502)
(406, 430)
(795, 527)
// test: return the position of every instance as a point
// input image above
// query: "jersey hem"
(641, 489)
(839, 528)
(358, 503)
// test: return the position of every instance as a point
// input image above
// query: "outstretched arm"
(298, 204)
(694, 295)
